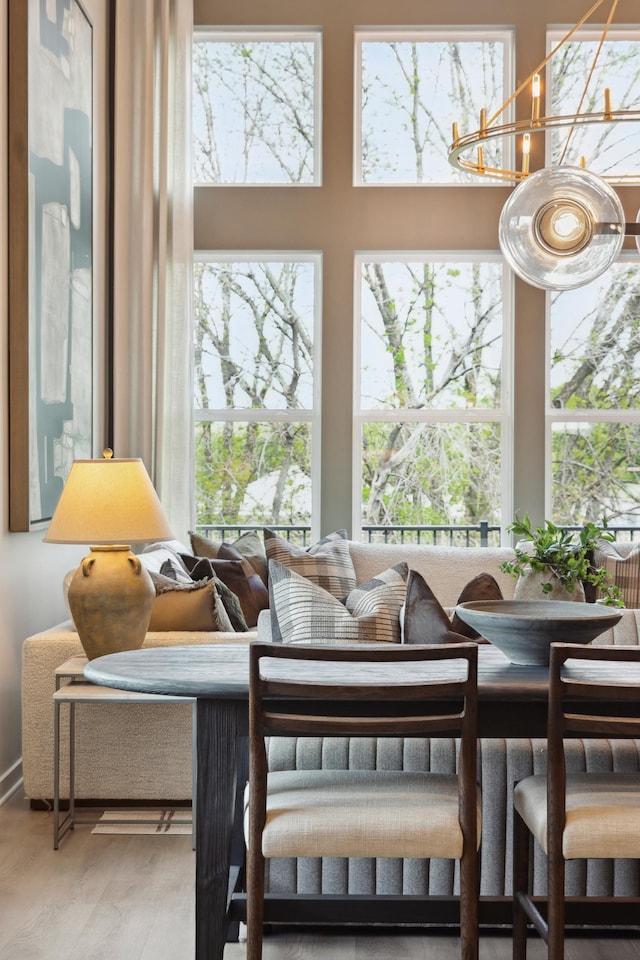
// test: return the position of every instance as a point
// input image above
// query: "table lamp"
(109, 504)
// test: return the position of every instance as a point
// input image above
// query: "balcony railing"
(482, 534)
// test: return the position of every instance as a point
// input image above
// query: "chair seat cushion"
(602, 818)
(362, 813)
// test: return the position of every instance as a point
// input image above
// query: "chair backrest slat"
(409, 686)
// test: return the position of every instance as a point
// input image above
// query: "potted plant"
(550, 563)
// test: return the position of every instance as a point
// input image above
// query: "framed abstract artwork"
(51, 252)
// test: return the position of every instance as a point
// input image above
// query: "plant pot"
(529, 587)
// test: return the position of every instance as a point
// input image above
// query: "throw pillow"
(249, 546)
(482, 587)
(187, 606)
(161, 559)
(622, 564)
(327, 563)
(240, 577)
(425, 620)
(203, 546)
(229, 599)
(306, 613)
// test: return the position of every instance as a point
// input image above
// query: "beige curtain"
(153, 242)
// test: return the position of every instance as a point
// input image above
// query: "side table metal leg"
(56, 775)
(72, 764)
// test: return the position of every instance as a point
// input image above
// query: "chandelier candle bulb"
(483, 120)
(607, 104)
(526, 150)
(535, 99)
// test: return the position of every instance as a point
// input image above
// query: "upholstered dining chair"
(361, 690)
(593, 691)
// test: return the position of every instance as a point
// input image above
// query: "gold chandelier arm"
(589, 76)
(526, 82)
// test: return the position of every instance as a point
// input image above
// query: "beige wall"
(30, 572)
(423, 218)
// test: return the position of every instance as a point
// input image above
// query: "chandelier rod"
(590, 75)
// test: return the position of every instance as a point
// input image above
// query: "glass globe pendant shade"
(561, 228)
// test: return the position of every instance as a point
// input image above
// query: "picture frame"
(52, 255)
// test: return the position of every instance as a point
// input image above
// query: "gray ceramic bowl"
(523, 629)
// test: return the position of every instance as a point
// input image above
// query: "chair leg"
(469, 892)
(521, 845)
(255, 902)
(555, 905)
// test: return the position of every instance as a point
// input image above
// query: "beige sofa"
(144, 752)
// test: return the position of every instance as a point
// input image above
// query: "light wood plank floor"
(131, 898)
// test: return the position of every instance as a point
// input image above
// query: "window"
(594, 399)
(434, 393)
(400, 275)
(412, 86)
(256, 405)
(256, 108)
(608, 149)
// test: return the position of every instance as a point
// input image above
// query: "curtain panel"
(153, 246)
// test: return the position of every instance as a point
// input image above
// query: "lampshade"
(108, 501)
(561, 228)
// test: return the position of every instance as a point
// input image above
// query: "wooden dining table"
(512, 702)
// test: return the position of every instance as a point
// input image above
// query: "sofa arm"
(140, 752)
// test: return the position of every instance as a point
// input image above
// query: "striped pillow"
(327, 563)
(306, 613)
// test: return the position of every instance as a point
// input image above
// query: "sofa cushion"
(426, 621)
(307, 613)
(187, 606)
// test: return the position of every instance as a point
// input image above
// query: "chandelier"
(563, 225)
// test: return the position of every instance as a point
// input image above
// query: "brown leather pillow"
(482, 587)
(425, 620)
(249, 546)
(240, 577)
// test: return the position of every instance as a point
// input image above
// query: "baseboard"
(101, 804)
(10, 781)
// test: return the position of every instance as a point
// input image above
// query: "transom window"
(256, 107)
(608, 149)
(412, 85)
